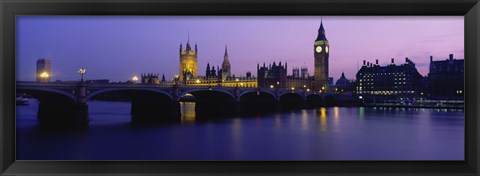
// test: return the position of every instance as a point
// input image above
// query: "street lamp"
(44, 76)
(271, 86)
(82, 71)
(134, 79)
(175, 79)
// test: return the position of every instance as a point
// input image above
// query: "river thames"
(332, 133)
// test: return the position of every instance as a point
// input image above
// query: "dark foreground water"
(335, 133)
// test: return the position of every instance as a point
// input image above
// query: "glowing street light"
(134, 79)
(175, 79)
(44, 75)
(82, 71)
(271, 86)
(293, 88)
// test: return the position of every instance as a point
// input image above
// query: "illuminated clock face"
(318, 49)
(326, 49)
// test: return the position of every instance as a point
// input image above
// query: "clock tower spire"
(321, 53)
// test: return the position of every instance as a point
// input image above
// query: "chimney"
(376, 62)
(368, 64)
(450, 56)
(431, 58)
(393, 61)
(406, 59)
(363, 62)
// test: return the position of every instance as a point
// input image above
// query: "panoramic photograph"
(266, 88)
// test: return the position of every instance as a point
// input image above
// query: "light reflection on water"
(333, 133)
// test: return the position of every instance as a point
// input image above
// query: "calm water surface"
(336, 133)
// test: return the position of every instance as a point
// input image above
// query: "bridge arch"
(35, 91)
(192, 91)
(252, 103)
(330, 100)
(314, 100)
(289, 92)
(291, 100)
(211, 102)
(254, 91)
(98, 92)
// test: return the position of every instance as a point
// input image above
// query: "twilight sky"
(119, 47)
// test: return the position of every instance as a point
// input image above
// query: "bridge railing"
(45, 84)
(130, 85)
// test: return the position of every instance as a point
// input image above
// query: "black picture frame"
(11, 8)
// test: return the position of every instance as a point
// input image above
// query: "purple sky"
(119, 47)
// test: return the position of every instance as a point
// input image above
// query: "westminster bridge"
(63, 103)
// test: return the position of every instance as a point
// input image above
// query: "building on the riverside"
(275, 76)
(44, 72)
(150, 78)
(344, 85)
(226, 68)
(188, 63)
(396, 80)
(321, 54)
(446, 77)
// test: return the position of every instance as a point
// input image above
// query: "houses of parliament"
(271, 76)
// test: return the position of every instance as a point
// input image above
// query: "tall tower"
(321, 52)
(188, 63)
(44, 72)
(226, 69)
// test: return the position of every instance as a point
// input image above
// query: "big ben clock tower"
(321, 52)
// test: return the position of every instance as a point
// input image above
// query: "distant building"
(44, 72)
(272, 76)
(304, 72)
(188, 63)
(296, 72)
(249, 74)
(404, 79)
(321, 54)
(275, 76)
(446, 77)
(342, 82)
(226, 68)
(330, 81)
(150, 78)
